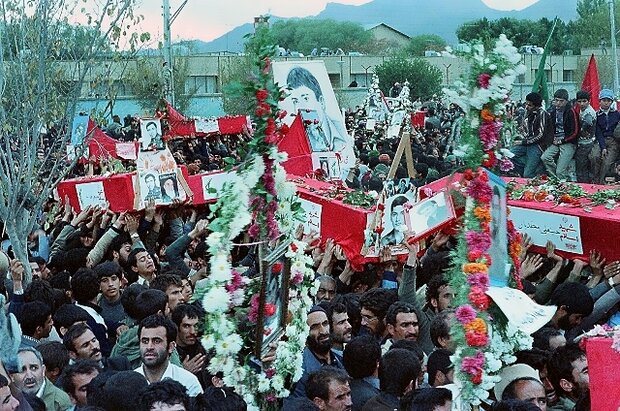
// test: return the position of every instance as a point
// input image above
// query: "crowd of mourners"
(108, 321)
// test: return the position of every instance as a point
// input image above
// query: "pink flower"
(465, 314)
(480, 280)
(297, 278)
(489, 134)
(479, 190)
(478, 240)
(270, 372)
(473, 365)
(253, 313)
(505, 165)
(483, 80)
(254, 230)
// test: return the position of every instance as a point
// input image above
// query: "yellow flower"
(471, 268)
(477, 325)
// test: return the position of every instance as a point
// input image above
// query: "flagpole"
(612, 21)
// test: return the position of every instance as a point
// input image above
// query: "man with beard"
(193, 355)
(340, 328)
(318, 351)
(374, 304)
(83, 344)
(157, 336)
(574, 302)
(30, 379)
(568, 373)
(402, 323)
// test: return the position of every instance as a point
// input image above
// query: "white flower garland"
(221, 334)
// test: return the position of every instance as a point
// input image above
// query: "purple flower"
(480, 280)
(473, 365)
(478, 240)
(465, 314)
(505, 164)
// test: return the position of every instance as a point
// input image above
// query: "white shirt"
(181, 375)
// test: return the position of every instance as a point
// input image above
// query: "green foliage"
(521, 32)
(419, 44)
(424, 78)
(303, 35)
(148, 82)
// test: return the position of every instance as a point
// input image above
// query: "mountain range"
(412, 17)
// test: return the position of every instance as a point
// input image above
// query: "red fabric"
(118, 190)
(343, 223)
(295, 144)
(591, 83)
(418, 118)
(604, 377)
(100, 144)
(181, 126)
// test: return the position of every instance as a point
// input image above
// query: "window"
(568, 75)
(201, 84)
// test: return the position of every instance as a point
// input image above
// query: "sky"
(210, 19)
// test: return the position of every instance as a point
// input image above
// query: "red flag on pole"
(591, 83)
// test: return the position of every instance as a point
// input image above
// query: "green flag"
(540, 82)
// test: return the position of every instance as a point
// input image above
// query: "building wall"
(384, 33)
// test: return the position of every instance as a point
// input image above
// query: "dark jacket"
(382, 402)
(571, 124)
(539, 128)
(361, 392)
(605, 125)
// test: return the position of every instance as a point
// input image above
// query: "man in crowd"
(193, 355)
(521, 382)
(568, 373)
(402, 323)
(534, 133)
(36, 322)
(440, 368)
(585, 141)
(167, 395)
(30, 379)
(329, 390)
(83, 344)
(374, 304)
(157, 336)
(566, 128)
(361, 361)
(605, 151)
(75, 379)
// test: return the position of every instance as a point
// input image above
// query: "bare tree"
(41, 76)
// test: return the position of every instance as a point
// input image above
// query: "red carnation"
(293, 248)
(284, 129)
(271, 126)
(276, 268)
(479, 298)
(262, 94)
(475, 339)
(477, 379)
(468, 174)
(270, 309)
(381, 206)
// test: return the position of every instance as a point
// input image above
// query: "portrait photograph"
(500, 267)
(169, 187)
(150, 134)
(429, 215)
(79, 129)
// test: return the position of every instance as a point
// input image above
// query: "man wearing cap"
(565, 132)
(604, 153)
(521, 382)
(528, 150)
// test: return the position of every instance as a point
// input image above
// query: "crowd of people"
(108, 321)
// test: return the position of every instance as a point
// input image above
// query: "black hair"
(542, 337)
(409, 345)
(510, 392)
(439, 360)
(440, 326)
(32, 315)
(560, 365)
(55, 355)
(318, 382)
(36, 403)
(433, 286)
(399, 307)
(583, 95)
(79, 367)
(186, 310)
(301, 77)
(534, 98)
(352, 302)
(574, 296)
(67, 315)
(167, 392)
(378, 300)
(84, 285)
(75, 331)
(535, 358)
(221, 399)
(425, 399)
(150, 302)
(163, 281)
(397, 369)
(3, 381)
(116, 391)
(361, 355)
(128, 299)
(157, 320)
(61, 281)
(108, 269)
(40, 290)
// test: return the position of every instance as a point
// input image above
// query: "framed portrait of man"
(429, 215)
(500, 267)
(150, 134)
(309, 91)
(273, 302)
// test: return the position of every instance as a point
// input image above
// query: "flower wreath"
(258, 197)
(484, 339)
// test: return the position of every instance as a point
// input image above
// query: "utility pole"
(614, 50)
(168, 66)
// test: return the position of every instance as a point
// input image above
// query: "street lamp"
(366, 74)
(168, 20)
